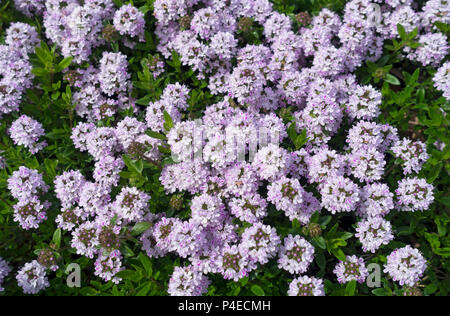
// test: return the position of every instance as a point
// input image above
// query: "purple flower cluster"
(307, 75)
(28, 187)
(32, 278)
(27, 132)
(406, 265)
(296, 254)
(15, 67)
(353, 268)
(374, 232)
(4, 271)
(306, 286)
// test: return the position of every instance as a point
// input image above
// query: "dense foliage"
(90, 117)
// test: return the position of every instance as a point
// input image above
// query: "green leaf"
(338, 253)
(257, 290)
(320, 241)
(392, 80)
(63, 64)
(146, 263)
(156, 135)
(141, 227)
(320, 260)
(129, 275)
(350, 289)
(145, 289)
(430, 289)
(402, 32)
(382, 292)
(168, 122)
(88, 291)
(57, 238)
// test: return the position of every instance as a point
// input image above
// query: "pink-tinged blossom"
(107, 265)
(412, 153)
(405, 265)
(276, 24)
(113, 74)
(80, 135)
(101, 142)
(188, 238)
(366, 165)
(30, 7)
(28, 132)
(68, 187)
(260, 242)
(189, 176)
(295, 255)
(25, 183)
(107, 171)
(22, 37)
(442, 79)
(208, 210)
(340, 194)
(32, 278)
(414, 194)
(162, 232)
(324, 164)
(128, 20)
(85, 239)
(186, 281)
(131, 204)
(249, 208)
(374, 232)
(68, 218)
(353, 268)
(364, 103)
(31, 212)
(271, 162)
(234, 264)
(435, 11)
(365, 134)
(433, 49)
(128, 130)
(241, 179)
(376, 200)
(287, 195)
(5, 269)
(224, 45)
(94, 199)
(306, 286)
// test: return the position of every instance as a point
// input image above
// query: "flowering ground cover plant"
(240, 147)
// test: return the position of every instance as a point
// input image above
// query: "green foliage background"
(410, 103)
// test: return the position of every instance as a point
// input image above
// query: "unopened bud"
(176, 202)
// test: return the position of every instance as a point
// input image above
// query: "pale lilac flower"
(405, 265)
(353, 268)
(414, 194)
(128, 20)
(28, 132)
(412, 153)
(131, 204)
(373, 233)
(5, 269)
(260, 242)
(185, 281)
(340, 194)
(376, 200)
(107, 265)
(306, 286)
(295, 255)
(32, 278)
(85, 239)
